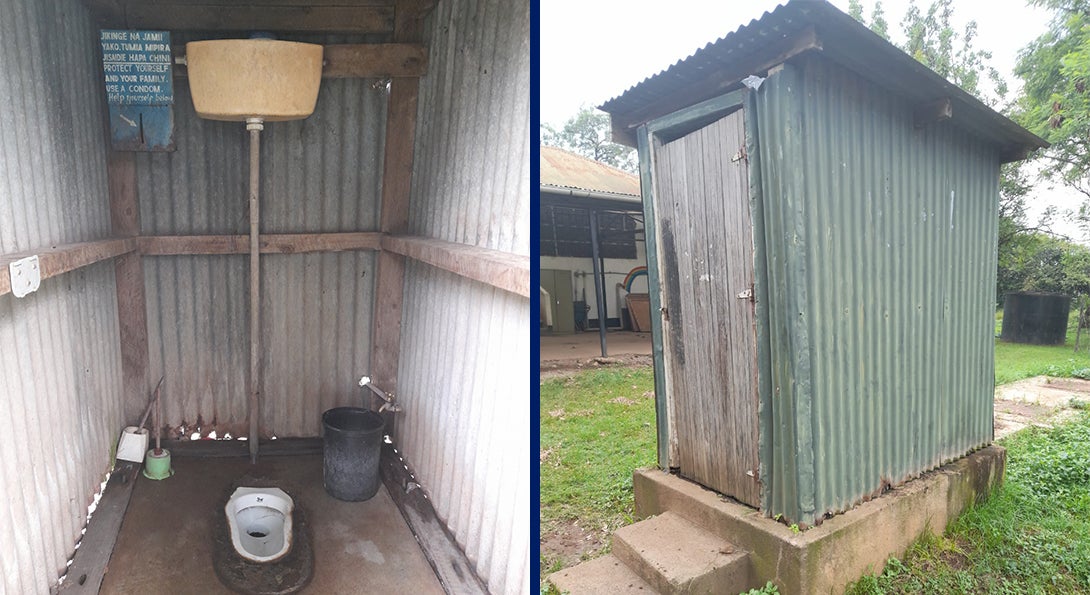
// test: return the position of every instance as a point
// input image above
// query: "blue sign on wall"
(137, 69)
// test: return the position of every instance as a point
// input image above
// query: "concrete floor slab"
(166, 542)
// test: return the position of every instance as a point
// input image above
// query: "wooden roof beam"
(324, 16)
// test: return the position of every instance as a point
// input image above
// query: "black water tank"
(1035, 318)
(351, 448)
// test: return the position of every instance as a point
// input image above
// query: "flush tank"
(237, 79)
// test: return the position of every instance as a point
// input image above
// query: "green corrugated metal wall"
(876, 268)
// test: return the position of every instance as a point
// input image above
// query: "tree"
(588, 133)
(1055, 103)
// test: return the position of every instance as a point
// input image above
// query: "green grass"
(1032, 536)
(1014, 361)
(596, 428)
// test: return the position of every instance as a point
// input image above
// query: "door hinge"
(665, 313)
(739, 156)
(746, 295)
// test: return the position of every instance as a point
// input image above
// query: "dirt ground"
(1039, 401)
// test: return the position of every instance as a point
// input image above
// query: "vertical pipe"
(599, 289)
(254, 126)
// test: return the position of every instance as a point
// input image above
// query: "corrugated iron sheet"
(471, 176)
(60, 370)
(754, 48)
(321, 174)
(567, 170)
(464, 363)
(879, 243)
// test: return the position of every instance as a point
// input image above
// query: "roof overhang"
(589, 199)
(809, 26)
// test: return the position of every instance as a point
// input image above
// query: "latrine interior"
(394, 240)
(320, 175)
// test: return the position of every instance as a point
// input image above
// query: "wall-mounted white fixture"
(26, 276)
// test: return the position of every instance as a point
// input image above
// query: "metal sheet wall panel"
(471, 175)
(880, 254)
(60, 368)
(464, 377)
(464, 366)
(321, 174)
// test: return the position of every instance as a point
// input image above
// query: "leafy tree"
(931, 39)
(1055, 104)
(877, 23)
(588, 133)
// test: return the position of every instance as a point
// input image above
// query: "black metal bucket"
(351, 448)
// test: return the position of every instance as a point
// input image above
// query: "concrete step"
(676, 556)
(601, 576)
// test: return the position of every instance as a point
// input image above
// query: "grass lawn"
(1015, 362)
(597, 426)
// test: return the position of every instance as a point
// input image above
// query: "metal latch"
(746, 295)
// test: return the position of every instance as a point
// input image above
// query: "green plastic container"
(157, 466)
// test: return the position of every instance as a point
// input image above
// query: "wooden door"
(709, 333)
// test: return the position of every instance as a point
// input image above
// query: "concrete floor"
(586, 345)
(165, 544)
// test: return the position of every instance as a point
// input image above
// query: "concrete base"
(826, 558)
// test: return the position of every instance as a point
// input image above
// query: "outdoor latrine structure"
(394, 243)
(822, 218)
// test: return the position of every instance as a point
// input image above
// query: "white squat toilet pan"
(259, 520)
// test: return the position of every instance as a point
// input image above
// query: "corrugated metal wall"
(60, 368)
(321, 174)
(464, 362)
(880, 254)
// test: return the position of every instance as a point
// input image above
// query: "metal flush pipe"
(254, 125)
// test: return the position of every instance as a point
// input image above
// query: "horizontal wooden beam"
(293, 243)
(367, 60)
(91, 560)
(453, 569)
(360, 60)
(67, 257)
(510, 272)
(253, 16)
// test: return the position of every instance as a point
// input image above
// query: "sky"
(594, 50)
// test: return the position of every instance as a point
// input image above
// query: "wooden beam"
(221, 449)
(509, 272)
(451, 566)
(254, 16)
(93, 557)
(397, 174)
(932, 112)
(61, 259)
(132, 310)
(359, 60)
(291, 243)
(375, 60)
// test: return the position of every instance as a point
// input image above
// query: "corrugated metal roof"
(564, 169)
(793, 28)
